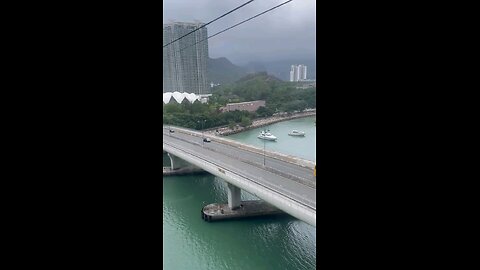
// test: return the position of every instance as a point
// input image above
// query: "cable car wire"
(208, 23)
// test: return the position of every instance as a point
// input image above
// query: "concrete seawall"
(225, 131)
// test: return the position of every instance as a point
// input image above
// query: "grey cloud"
(284, 33)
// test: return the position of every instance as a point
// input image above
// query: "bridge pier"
(179, 166)
(177, 163)
(256, 208)
(234, 196)
(236, 209)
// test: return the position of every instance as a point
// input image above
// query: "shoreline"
(225, 131)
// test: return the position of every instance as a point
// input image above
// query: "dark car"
(207, 140)
(171, 131)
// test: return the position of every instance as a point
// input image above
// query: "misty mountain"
(281, 68)
(255, 67)
(258, 76)
(221, 70)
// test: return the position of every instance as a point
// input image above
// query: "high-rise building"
(303, 72)
(185, 64)
(298, 73)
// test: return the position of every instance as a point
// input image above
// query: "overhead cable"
(208, 23)
(244, 21)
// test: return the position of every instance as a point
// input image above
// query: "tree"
(264, 112)
(246, 121)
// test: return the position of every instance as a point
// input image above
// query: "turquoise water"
(303, 147)
(264, 243)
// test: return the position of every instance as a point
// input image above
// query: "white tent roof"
(179, 97)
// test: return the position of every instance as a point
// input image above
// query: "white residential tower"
(298, 73)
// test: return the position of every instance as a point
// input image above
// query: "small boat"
(264, 135)
(297, 133)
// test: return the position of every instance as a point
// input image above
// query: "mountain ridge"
(223, 71)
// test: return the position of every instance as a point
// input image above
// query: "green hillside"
(279, 95)
(222, 71)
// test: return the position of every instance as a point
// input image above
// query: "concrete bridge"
(285, 182)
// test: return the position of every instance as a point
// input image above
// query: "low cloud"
(287, 32)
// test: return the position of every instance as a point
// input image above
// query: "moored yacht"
(265, 135)
(297, 133)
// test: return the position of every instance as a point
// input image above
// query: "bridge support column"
(234, 196)
(179, 166)
(177, 163)
(221, 211)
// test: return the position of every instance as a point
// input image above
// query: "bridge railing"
(295, 178)
(271, 154)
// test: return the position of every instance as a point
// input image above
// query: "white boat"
(264, 135)
(297, 133)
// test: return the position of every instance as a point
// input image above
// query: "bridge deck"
(250, 155)
(291, 180)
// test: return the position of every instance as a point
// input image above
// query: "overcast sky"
(287, 32)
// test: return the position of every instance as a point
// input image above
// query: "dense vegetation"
(199, 115)
(279, 97)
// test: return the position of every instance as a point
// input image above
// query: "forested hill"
(279, 95)
(221, 70)
(281, 68)
(259, 76)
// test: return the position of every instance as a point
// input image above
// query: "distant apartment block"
(250, 106)
(185, 64)
(298, 73)
(214, 84)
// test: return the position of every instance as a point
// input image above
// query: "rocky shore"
(225, 131)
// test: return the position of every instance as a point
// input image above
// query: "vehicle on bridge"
(207, 140)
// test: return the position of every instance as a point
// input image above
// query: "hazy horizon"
(286, 33)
